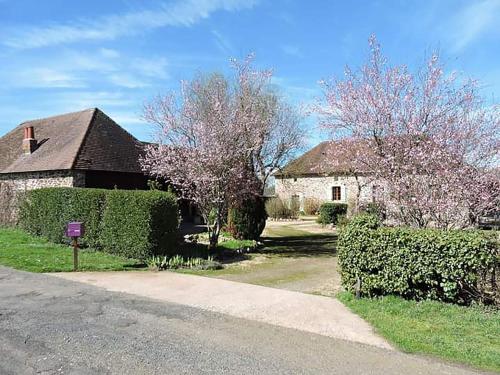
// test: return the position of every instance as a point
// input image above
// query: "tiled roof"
(317, 162)
(85, 140)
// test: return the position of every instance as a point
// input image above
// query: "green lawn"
(24, 252)
(469, 335)
(290, 258)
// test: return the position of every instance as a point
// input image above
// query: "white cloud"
(472, 22)
(222, 43)
(180, 13)
(291, 50)
(44, 78)
(127, 80)
(78, 68)
(152, 67)
(109, 53)
(74, 100)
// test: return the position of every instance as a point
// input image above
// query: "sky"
(61, 56)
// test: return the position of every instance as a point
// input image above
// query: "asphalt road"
(52, 326)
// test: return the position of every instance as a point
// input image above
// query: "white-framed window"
(336, 193)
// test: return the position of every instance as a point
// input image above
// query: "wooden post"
(75, 253)
(358, 287)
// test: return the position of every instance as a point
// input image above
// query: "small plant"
(177, 261)
(160, 263)
(157, 263)
(278, 209)
(342, 221)
(311, 206)
(294, 206)
(329, 212)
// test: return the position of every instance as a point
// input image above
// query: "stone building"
(313, 175)
(80, 149)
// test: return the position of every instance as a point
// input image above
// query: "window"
(336, 193)
(295, 179)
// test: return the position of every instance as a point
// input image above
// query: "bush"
(139, 224)
(247, 220)
(294, 206)
(329, 212)
(276, 208)
(414, 263)
(45, 212)
(311, 206)
(135, 224)
(375, 208)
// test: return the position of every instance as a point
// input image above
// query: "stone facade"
(321, 188)
(35, 180)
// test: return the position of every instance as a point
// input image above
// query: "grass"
(22, 251)
(463, 334)
(290, 258)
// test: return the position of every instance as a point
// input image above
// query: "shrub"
(329, 212)
(247, 220)
(45, 212)
(374, 208)
(134, 224)
(276, 209)
(311, 206)
(139, 224)
(414, 263)
(294, 206)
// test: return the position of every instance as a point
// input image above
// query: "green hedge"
(330, 212)
(45, 212)
(414, 263)
(247, 220)
(139, 224)
(144, 222)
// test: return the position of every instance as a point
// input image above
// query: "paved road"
(50, 326)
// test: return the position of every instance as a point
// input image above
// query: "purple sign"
(75, 229)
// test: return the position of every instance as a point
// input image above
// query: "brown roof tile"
(87, 140)
(324, 159)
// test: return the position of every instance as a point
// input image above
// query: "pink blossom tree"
(430, 139)
(217, 139)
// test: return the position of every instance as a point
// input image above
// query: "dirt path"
(297, 255)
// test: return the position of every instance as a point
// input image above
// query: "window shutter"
(328, 193)
(343, 193)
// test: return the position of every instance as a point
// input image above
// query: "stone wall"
(13, 185)
(321, 188)
(35, 180)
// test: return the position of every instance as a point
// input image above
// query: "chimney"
(29, 141)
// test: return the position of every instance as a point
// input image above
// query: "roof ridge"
(56, 116)
(85, 136)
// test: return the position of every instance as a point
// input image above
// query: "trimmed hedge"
(45, 212)
(414, 263)
(148, 216)
(139, 224)
(330, 212)
(247, 220)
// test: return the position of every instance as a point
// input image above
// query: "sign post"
(75, 229)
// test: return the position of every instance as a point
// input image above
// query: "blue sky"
(60, 56)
